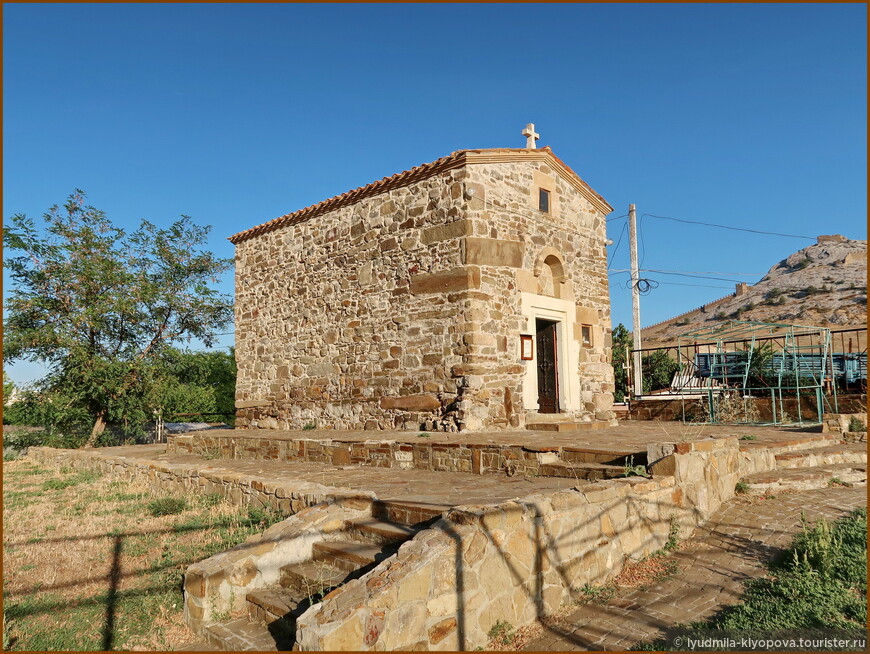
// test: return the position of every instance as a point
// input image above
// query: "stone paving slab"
(424, 486)
(735, 545)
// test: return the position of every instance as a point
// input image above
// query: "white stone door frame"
(563, 313)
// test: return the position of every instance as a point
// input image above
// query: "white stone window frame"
(562, 312)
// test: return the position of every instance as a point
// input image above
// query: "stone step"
(578, 471)
(407, 513)
(349, 555)
(800, 479)
(611, 457)
(266, 605)
(806, 441)
(240, 634)
(821, 456)
(563, 426)
(379, 531)
(312, 577)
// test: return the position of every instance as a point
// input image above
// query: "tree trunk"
(99, 428)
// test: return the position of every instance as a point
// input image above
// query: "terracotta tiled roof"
(454, 160)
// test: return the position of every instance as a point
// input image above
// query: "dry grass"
(87, 567)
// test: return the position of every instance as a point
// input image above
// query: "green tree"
(195, 382)
(98, 306)
(658, 370)
(621, 348)
(8, 388)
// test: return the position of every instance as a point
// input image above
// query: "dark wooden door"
(548, 382)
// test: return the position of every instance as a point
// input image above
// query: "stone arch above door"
(550, 273)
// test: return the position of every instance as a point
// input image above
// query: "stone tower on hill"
(468, 293)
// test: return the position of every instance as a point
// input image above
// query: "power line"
(642, 244)
(707, 272)
(662, 272)
(698, 285)
(736, 229)
(625, 215)
(613, 254)
(697, 272)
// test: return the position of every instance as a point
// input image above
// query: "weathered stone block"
(411, 403)
(438, 233)
(458, 279)
(494, 252)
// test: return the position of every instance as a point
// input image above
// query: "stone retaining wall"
(520, 560)
(244, 490)
(672, 408)
(422, 455)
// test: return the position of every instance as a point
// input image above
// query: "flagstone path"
(735, 545)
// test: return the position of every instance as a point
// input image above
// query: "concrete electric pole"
(637, 377)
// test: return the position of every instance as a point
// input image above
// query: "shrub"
(166, 506)
(501, 632)
(800, 265)
(856, 424)
(741, 488)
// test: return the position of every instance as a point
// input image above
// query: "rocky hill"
(822, 285)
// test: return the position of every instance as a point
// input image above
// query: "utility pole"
(637, 377)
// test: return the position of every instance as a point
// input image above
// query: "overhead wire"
(613, 254)
(736, 229)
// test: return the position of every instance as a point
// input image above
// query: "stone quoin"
(400, 304)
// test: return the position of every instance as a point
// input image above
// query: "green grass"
(166, 506)
(69, 619)
(80, 478)
(820, 582)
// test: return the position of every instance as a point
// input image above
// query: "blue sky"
(747, 115)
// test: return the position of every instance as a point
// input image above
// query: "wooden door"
(547, 364)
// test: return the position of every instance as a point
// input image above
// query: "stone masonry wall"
(403, 309)
(672, 408)
(520, 560)
(510, 242)
(330, 328)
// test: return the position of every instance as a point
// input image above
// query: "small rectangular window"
(544, 200)
(586, 335)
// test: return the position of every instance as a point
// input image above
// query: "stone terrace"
(422, 486)
(597, 453)
(627, 437)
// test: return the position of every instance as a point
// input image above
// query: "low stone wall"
(440, 457)
(705, 471)
(219, 584)
(520, 560)
(245, 490)
(840, 423)
(671, 408)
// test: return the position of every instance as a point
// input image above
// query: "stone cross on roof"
(531, 136)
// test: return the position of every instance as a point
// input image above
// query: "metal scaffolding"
(748, 360)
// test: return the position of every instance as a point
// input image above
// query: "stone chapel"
(469, 293)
